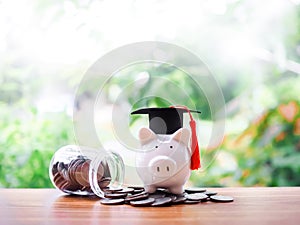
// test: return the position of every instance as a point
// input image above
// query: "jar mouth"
(111, 168)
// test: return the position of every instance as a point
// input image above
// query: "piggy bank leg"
(150, 188)
(177, 190)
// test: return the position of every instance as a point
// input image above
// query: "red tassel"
(195, 158)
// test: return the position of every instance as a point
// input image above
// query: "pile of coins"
(136, 196)
(73, 177)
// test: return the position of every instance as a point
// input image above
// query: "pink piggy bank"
(164, 161)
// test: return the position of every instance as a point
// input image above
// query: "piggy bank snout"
(162, 166)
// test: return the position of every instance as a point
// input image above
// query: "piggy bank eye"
(156, 146)
(171, 146)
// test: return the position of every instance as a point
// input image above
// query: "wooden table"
(251, 206)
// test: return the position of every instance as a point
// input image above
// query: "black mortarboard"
(165, 120)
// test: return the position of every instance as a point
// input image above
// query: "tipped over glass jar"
(82, 170)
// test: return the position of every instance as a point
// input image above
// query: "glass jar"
(82, 170)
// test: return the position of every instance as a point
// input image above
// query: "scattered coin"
(141, 196)
(135, 197)
(195, 190)
(210, 193)
(107, 201)
(157, 195)
(137, 191)
(145, 202)
(137, 187)
(221, 198)
(112, 189)
(162, 201)
(173, 197)
(115, 195)
(179, 199)
(191, 202)
(125, 190)
(196, 197)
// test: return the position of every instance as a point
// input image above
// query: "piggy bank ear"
(146, 135)
(182, 135)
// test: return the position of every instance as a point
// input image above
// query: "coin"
(196, 197)
(125, 190)
(115, 195)
(112, 189)
(82, 174)
(145, 202)
(137, 191)
(210, 193)
(104, 182)
(65, 175)
(117, 201)
(59, 180)
(135, 197)
(54, 168)
(100, 172)
(69, 186)
(173, 197)
(179, 199)
(157, 195)
(73, 171)
(162, 201)
(221, 198)
(191, 202)
(137, 187)
(195, 190)
(60, 167)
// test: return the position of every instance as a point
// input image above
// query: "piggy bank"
(164, 161)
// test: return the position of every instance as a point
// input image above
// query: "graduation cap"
(168, 121)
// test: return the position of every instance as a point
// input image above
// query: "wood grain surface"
(251, 206)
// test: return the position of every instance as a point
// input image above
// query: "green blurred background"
(252, 47)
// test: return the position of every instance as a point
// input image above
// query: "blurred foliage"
(27, 143)
(269, 149)
(267, 153)
(144, 84)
